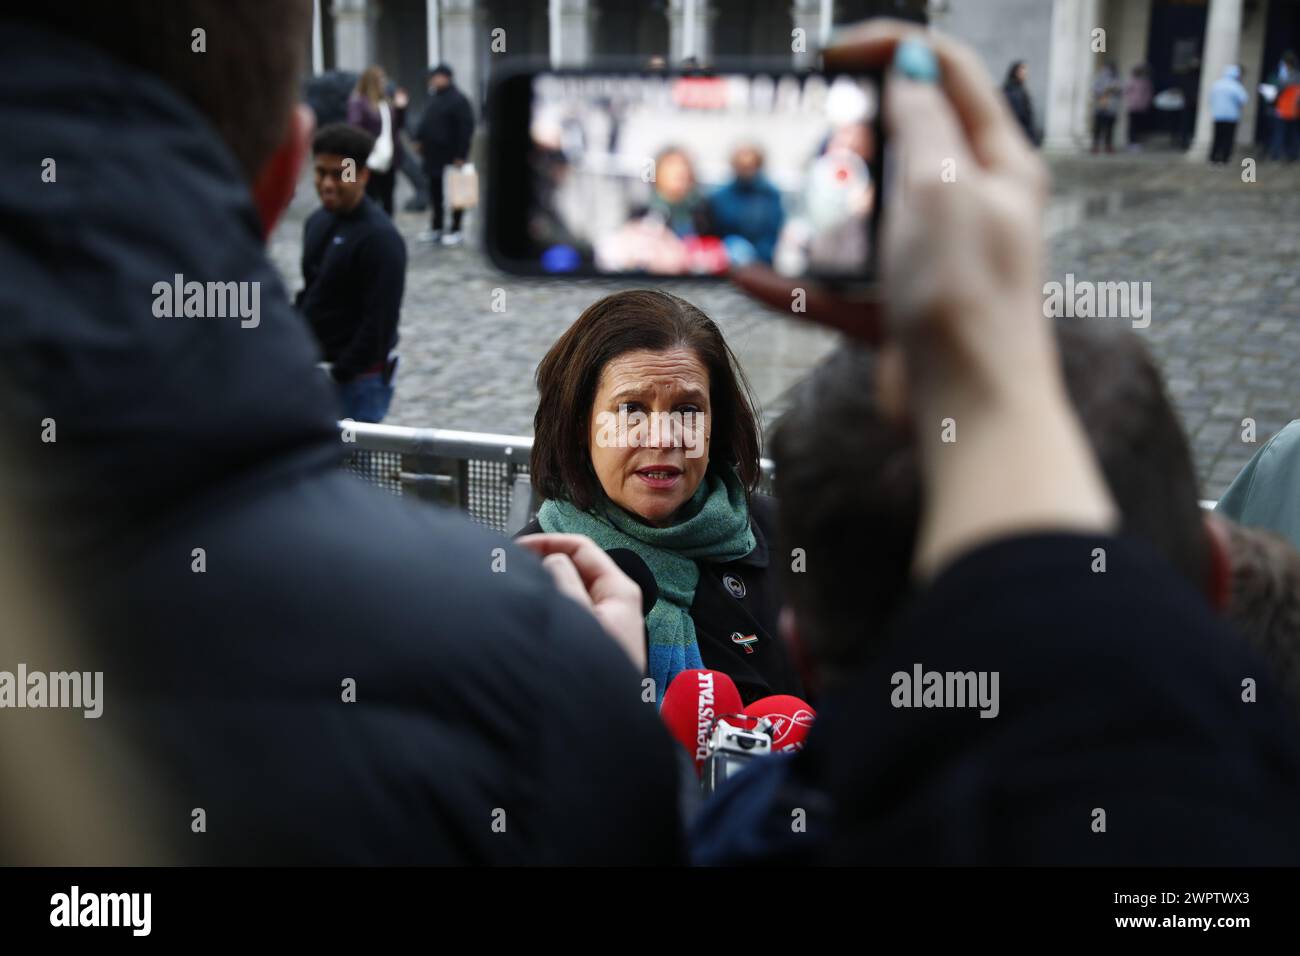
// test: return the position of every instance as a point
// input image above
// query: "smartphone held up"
(597, 173)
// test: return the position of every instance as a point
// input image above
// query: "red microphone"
(692, 702)
(791, 720)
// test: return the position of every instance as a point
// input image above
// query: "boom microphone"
(692, 702)
(790, 717)
(631, 564)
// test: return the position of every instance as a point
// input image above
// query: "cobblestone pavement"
(1222, 256)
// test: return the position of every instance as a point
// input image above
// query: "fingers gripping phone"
(615, 172)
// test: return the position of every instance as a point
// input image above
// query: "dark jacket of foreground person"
(235, 581)
(1123, 733)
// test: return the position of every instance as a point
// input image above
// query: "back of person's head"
(1264, 599)
(343, 139)
(849, 485)
(245, 79)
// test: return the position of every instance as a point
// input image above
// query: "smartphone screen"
(608, 173)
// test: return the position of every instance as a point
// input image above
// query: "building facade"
(1186, 43)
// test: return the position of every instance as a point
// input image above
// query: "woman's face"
(1022, 73)
(649, 434)
(673, 178)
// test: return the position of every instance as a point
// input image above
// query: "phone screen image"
(691, 175)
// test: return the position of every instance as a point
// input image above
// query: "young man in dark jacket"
(310, 671)
(354, 272)
(444, 136)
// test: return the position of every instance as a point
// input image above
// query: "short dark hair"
(343, 139)
(245, 82)
(567, 379)
(850, 490)
(442, 69)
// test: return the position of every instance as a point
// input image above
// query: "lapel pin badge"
(747, 641)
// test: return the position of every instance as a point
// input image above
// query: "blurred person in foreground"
(73, 791)
(646, 438)
(1264, 598)
(1121, 732)
(333, 676)
(1266, 493)
(861, 483)
(354, 275)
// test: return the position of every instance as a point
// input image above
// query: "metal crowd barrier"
(482, 474)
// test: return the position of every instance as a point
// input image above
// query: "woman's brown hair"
(633, 321)
(370, 86)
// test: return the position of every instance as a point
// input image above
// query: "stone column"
(808, 16)
(462, 38)
(353, 39)
(1222, 44)
(688, 31)
(572, 28)
(317, 41)
(1070, 73)
(432, 33)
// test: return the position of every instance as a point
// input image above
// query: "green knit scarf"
(715, 528)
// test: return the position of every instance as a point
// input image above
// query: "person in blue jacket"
(1227, 97)
(749, 207)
